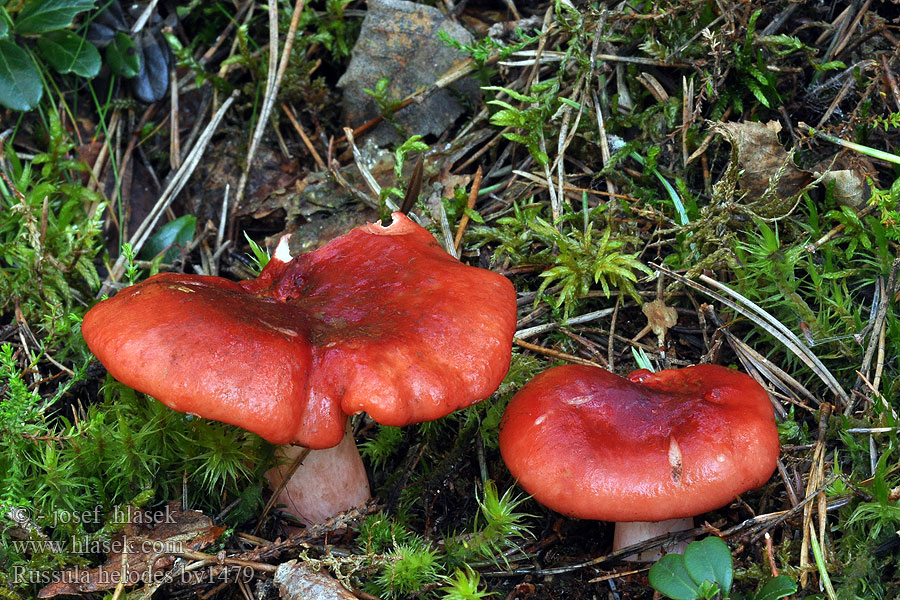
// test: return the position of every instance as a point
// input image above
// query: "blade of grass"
(673, 194)
(820, 563)
(868, 151)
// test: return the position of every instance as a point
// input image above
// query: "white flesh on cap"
(329, 481)
(282, 250)
(628, 534)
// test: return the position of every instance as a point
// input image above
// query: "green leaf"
(894, 194)
(670, 577)
(178, 232)
(473, 215)
(828, 66)
(70, 53)
(4, 28)
(260, 254)
(20, 81)
(777, 588)
(710, 560)
(708, 590)
(41, 16)
(513, 93)
(507, 118)
(122, 56)
(753, 87)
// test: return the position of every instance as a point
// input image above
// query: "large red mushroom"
(648, 452)
(380, 320)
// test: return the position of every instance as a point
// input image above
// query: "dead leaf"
(849, 187)
(398, 40)
(296, 581)
(660, 317)
(143, 549)
(269, 187)
(761, 157)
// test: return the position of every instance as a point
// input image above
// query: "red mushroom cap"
(380, 320)
(655, 446)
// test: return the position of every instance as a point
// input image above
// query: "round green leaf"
(180, 232)
(122, 56)
(670, 578)
(41, 16)
(70, 53)
(777, 588)
(710, 560)
(20, 82)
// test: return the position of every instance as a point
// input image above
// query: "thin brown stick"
(174, 187)
(839, 97)
(232, 562)
(813, 247)
(770, 554)
(281, 485)
(464, 220)
(555, 353)
(610, 344)
(848, 33)
(302, 133)
(224, 35)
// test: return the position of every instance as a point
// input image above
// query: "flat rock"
(398, 40)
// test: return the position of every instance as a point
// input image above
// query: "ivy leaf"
(70, 53)
(777, 588)
(178, 232)
(41, 16)
(122, 56)
(20, 82)
(670, 577)
(710, 560)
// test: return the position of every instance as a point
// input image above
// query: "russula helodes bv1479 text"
(380, 320)
(641, 451)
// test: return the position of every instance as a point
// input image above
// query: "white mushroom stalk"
(326, 483)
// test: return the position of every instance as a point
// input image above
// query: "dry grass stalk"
(766, 321)
(140, 237)
(814, 484)
(274, 75)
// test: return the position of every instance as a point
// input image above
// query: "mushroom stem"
(629, 534)
(328, 482)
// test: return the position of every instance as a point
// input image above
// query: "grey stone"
(398, 40)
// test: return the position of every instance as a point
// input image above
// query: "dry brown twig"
(464, 220)
(302, 133)
(555, 353)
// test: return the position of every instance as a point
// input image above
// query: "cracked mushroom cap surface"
(650, 447)
(380, 320)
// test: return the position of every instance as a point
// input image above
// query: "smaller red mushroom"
(380, 320)
(641, 451)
